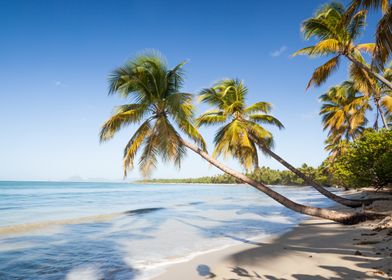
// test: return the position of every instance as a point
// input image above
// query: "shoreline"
(313, 249)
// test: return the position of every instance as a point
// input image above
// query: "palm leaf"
(323, 72)
(386, 102)
(125, 115)
(263, 107)
(134, 144)
(369, 47)
(383, 39)
(266, 119)
(211, 117)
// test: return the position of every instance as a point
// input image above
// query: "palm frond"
(134, 144)
(263, 107)
(149, 158)
(323, 72)
(383, 39)
(125, 115)
(369, 47)
(386, 103)
(211, 117)
(356, 24)
(266, 119)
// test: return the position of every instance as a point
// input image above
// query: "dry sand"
(316, 249)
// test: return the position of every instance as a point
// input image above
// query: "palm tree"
(383, 34)
(372, 88)
(158, 108)
(228, 96)
(343, 110)
(336, 35)
(343, 115)
(241, 130)
(158, 102)
(336, 145)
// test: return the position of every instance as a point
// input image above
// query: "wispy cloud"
(59, 84)
(278, 52)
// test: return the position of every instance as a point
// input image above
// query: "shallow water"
(58, 230)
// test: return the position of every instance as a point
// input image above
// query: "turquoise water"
(58, 230)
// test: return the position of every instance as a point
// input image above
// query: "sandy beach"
(316, 249)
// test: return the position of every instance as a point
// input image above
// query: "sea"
(84, 230)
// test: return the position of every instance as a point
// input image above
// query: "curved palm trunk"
(337, 216)
(370, 71)
(354, 203)
(341, 200)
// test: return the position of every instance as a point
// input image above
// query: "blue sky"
(56, 56)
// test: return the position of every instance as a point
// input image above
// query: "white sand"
(316, 249)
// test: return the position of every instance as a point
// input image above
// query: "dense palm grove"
(360, 153)
(263, 174)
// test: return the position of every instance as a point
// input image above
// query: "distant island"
(262, 174)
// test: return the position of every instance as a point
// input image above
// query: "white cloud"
(278, 52)
(59, 84)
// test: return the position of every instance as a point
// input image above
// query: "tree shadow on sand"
(253, 263)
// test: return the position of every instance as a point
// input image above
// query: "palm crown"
(344, 115)
(241, 125)
(343, 111)
(383, 34)
(159, 107)
(336, 35)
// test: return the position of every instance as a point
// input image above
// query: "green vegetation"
(157, 101)
(366, 161)
(336, 32)
(263, 174)
(242, 127)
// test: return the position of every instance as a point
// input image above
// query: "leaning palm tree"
(336, 35)
(242, 130)
(159, 107)
(383, 33)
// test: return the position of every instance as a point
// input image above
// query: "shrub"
(367, 161)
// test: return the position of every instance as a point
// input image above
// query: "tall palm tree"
(383, 33)
(242, 130)
(343, 115)
(343, 110)
(336, 35)
(158, 108)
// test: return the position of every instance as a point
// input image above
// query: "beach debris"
(385, 223)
